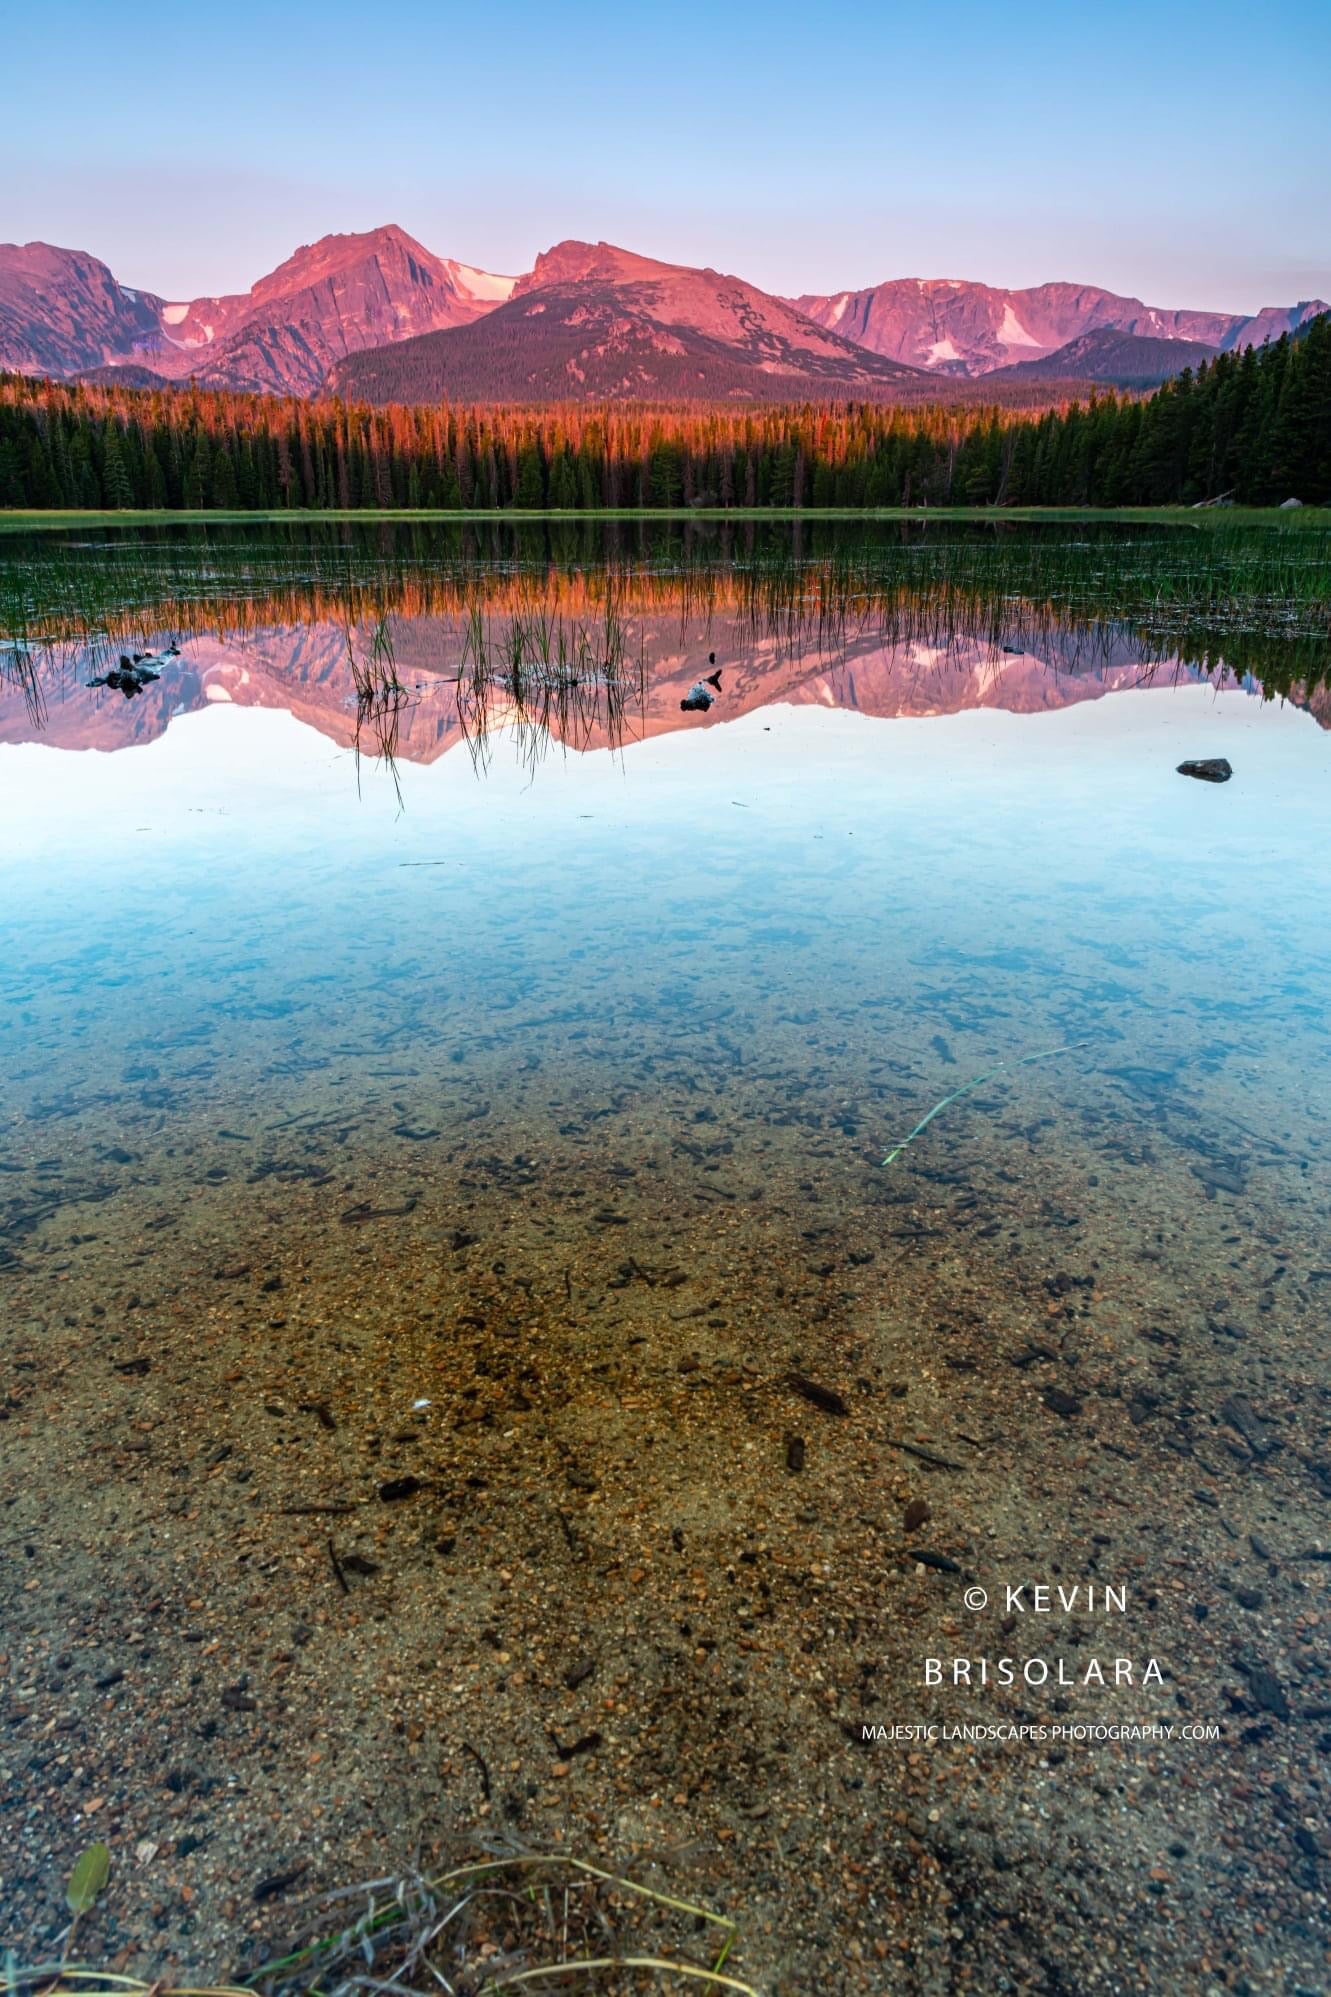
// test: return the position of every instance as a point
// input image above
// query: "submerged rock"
(1211, 770)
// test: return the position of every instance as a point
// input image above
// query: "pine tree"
(115, 479)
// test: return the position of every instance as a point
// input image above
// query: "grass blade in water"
(1046, 1054)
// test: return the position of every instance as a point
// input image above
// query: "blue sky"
(1180, 151)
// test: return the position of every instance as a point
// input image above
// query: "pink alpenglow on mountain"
(593, 322)
(953, 327)
(63, 313)
(380, 317)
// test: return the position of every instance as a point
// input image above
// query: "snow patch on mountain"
(1012, 333)
(485, 283)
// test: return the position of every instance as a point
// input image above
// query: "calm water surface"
(511, 1121)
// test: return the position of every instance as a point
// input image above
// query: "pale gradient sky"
(1179, 150)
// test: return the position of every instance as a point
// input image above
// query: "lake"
(472, 1379)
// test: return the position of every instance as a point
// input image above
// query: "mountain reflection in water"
(411, 647)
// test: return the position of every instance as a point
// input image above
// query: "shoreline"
(1302, 519)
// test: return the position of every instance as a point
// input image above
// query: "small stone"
(1265, 1690)
(1210, 769)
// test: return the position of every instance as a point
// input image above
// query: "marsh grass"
(1237, 603)
(548, 679)
(18, 668)
(510, 1919)
(533, 673)
(381, 700)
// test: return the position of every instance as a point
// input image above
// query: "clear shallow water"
(559, 1105)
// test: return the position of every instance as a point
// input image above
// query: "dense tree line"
(1255, 427)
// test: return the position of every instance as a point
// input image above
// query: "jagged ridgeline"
(1254, 428)
(539, 606)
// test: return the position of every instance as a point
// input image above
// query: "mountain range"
(63, 313)
(379, 317)
(594, 322)
(973, 329)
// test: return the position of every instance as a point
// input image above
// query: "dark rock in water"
(917, 1514)
(1220, 1175)
(127, 678)
(1211, 770)
(1030, 1354)
(356, 1563)
(132, 675)
(277, 1882)
(1060, 1403)
(1239, 1412)
(1264, 1689)
(399, 1487)
(826, 1398)
(701, 695)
